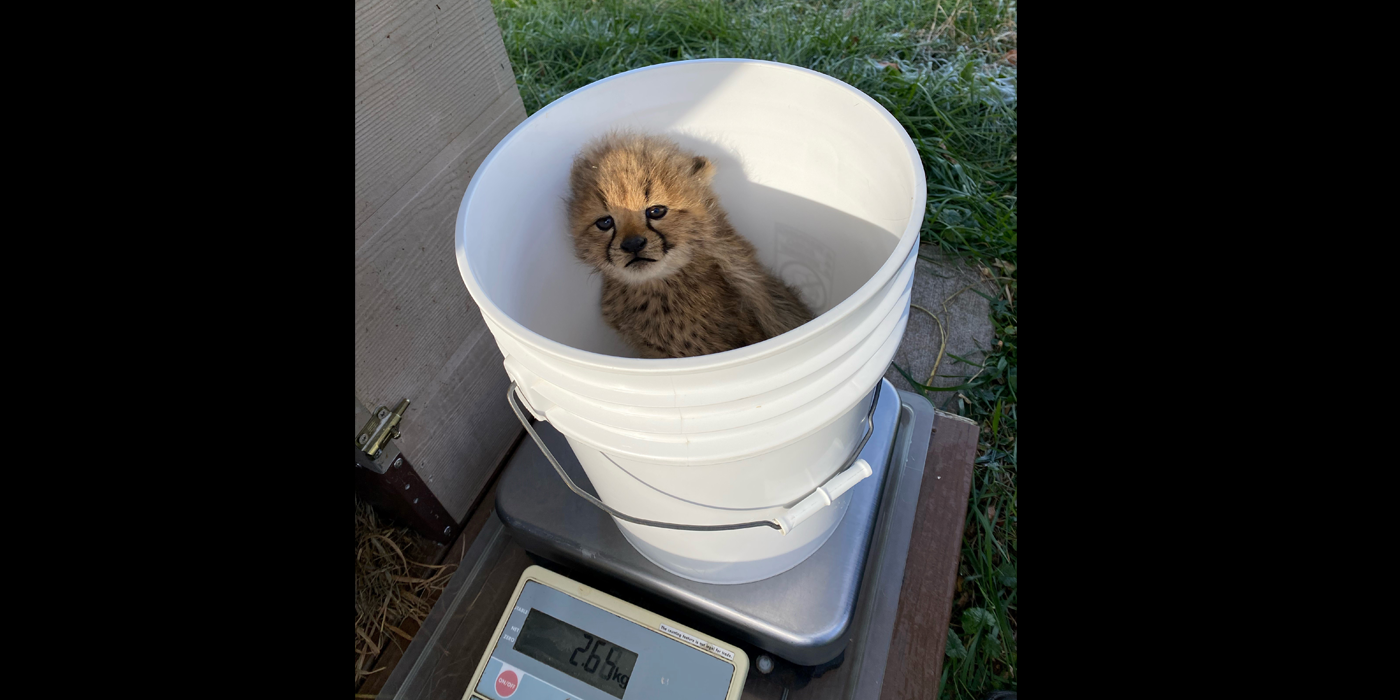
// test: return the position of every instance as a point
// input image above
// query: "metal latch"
(381, 427)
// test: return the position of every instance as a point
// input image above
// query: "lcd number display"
(583, 655)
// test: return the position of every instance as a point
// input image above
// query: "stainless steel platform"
(801, 614)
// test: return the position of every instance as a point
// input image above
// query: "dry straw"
(390, 586)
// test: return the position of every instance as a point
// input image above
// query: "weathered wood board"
(931, 572)
(434, 93)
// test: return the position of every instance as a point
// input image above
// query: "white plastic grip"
(823, 496)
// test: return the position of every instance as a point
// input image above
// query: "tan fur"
(696, 286)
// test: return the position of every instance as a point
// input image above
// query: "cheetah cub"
(677, 280)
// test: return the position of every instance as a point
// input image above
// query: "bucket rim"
(729, 358)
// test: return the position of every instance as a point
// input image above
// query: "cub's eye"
(656, 212)
(604, 223)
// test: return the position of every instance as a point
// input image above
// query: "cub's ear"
(702, 168)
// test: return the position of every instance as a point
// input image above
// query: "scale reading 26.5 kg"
(561, 639)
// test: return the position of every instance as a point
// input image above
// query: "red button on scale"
(506, 683)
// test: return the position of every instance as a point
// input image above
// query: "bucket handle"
(853, 472)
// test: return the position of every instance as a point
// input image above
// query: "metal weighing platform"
(826, 624)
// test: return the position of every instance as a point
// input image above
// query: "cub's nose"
(634, 244)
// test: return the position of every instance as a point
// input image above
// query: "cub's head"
(639, 206)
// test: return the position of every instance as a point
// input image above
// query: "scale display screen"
(582, 655)
(561, 640)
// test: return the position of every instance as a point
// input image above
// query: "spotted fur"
(695, 286)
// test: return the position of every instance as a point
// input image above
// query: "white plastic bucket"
(830, 190)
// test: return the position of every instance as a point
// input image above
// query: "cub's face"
(639, 207)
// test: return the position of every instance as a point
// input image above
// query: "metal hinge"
(381, 427)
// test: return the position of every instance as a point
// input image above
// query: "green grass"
(939, 68)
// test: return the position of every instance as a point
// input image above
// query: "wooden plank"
(467, 632)
(930, 574)
(758, 686)
(484, 509)
(432, 99)
(424, 71)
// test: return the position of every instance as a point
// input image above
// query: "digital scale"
(562, 640)
(589, 618)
